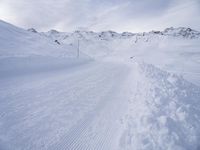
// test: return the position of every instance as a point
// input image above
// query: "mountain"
(28, 52)
(166, 49)
(17, 42)
(112, 42)
(182, 32)
(172, 46)
(109, 35)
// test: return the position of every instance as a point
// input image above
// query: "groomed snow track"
(99, 106)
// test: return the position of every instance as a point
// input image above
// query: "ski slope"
(99, 105)
(108, 99)
(44, 108)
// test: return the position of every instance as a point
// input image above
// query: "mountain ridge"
(184, 32)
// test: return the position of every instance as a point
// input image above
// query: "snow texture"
(128, 91)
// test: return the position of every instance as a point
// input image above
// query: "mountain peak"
(181, 31)
(53, 31)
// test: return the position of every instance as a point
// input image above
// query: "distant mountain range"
(109, 35)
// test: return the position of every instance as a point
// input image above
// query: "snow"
(16, 42)
(162, 114)
(126, 91)
(175, 49)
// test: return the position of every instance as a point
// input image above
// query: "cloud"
(181, 13)
(119, 15)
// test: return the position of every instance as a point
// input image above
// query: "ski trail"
(99, 128)
(55, 109)
(102, 105)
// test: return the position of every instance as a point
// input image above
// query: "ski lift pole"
(78, 48)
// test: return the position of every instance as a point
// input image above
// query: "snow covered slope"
(174, 49)
(129, 97)
(26, 52)
(17, 42)
(101, 105)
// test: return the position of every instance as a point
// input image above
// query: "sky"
(101, 15)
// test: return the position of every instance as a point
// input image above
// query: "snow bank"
(164, 113)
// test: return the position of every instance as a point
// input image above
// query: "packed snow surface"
(125, 91)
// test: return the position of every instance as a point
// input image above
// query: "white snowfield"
(104, 100)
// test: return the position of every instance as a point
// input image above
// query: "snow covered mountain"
(109, 35)
(182, 32)
(125, 91)
(16, 42)
(168, 49)
(24, 52)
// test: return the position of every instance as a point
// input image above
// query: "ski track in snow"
(100, 105)
(37, 111)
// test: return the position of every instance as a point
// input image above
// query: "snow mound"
(164, 113)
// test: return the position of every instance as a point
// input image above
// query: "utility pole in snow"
(78, 49)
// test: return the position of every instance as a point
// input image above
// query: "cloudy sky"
(99, 15)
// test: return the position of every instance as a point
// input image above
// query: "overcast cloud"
(98, 15)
